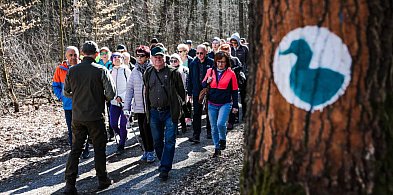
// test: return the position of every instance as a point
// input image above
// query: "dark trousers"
(110, 130)
(197, 119)
(68, 117)
(243, 93)
(97, 132)
(144, 129)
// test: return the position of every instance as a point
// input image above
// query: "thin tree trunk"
(205, 15)
(61, 30)
(190, 19)
(241, 20)
(75, 38)
(345, 148)
(220, 18)
(176, 15)
(164, 10)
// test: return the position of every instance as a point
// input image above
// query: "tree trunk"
(205, 26)
(176, 24)
(163, 19)
(345, 147)
(61, 30)
(241, 21)
(220, 19)
(75, 39)
(190, 19)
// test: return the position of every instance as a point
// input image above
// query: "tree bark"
(61, 30)
(347, 148)
(190, 19)
(241, 20)
(220, 18)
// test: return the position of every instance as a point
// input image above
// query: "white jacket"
(120, 75)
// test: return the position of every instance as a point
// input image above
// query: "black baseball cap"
(121, 47)
(90, 48)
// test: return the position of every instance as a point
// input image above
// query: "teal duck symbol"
(314, 86)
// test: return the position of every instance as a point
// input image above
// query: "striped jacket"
(58, 85)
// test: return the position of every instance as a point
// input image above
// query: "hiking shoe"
(104, 184)
(217, 153)
(223, 144)
(150, 157)
(163, 176)
(195, 140)
(85, 154)
(144, 156)
(230, 126)
(70, 189)
(120, 150)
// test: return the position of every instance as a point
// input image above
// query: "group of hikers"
(158, 90)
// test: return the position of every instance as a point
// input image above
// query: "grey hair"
(72, 48)
(201, 46)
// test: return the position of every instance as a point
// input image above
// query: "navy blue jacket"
(194, 81)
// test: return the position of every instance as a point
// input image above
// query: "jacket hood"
(236, 37)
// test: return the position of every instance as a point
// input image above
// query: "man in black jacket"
(88, 84)
(198, 69)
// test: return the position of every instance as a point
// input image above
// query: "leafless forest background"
(34, 34)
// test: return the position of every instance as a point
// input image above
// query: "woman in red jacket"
(222, 98)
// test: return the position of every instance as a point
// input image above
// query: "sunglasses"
(140, 55)
(73, 55)
(114, 57)
(200, 53)
(173, 61)
(104, 53)
(181, 51)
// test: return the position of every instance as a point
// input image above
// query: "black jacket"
(88, 84)
(194, 81)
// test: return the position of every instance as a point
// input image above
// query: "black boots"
(217, 153)
(223, 144)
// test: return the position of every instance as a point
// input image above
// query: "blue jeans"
(68, 117)
(116, 112)
(218, 117)
(163, 130)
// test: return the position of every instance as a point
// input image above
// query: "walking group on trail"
(158, 90)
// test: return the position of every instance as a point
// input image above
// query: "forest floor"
(34, 150)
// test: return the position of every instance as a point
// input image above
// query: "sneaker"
(144, 156)
(150, 157)
(120, 150)
(195, 140)
(188, 122)
(217, 153)
(104, 184)
(163, 176)
(85, 154)
(223, 144)
(70, 189)
(230, 126)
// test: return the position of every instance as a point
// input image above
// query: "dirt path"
(194, 171)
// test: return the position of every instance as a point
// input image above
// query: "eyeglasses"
(73, 55)
(140, 55)
(200, 53)
(181, 51)
(173, 61)
(221, 62)
(114, 57)
(103, 53)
